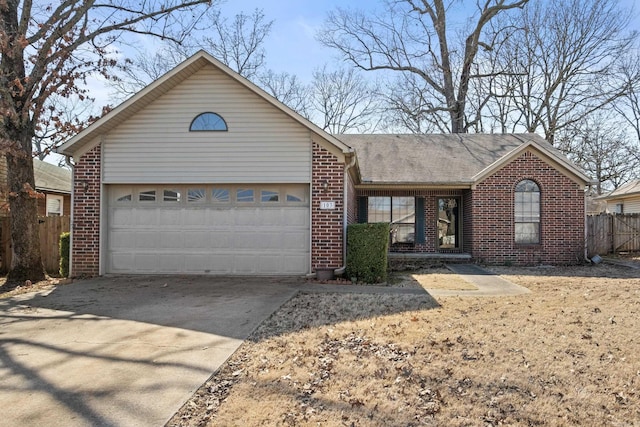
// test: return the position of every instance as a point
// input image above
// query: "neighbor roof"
(88, 138)
(629, 189)
(51, 177)
(444, 159)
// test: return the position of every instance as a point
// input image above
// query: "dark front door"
(449, 223)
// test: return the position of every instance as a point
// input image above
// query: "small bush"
(367, 248)
(65, 240)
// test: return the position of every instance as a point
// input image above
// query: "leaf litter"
(566, 354)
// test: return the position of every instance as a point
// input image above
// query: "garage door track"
(124, 351)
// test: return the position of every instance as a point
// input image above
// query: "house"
(52, 181)
(202, 172)
(55, 183)
(625, 199)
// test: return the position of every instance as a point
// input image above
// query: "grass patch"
(566, 354)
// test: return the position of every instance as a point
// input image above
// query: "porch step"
(401, 261)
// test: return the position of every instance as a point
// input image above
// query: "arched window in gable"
(527, 212)
(208, 122)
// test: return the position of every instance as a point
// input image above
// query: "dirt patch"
(566, 354)
(630, 256)
(43, 285)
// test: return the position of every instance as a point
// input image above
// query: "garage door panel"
(121, 240)
(170, 217)
(222, 217)
(196, 239)
(220, 264)
(206, 237)
(295, 240)
(194, 217)
(296, 217)
(120, 217)
(146, 262)
(247, 217)
(270, 264)
(121, 262)
(291, 262)
(171, 263)
(147, 239)
(221, 240)
(172, 240)
(145, 218)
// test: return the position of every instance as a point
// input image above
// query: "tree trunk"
(23, 204)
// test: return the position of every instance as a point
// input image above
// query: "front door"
(449, 223)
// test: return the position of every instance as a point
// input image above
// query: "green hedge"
(367, 248)
(65, 239)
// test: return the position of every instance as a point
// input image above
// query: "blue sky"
(291, 46)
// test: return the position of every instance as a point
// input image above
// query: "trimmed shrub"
(65, 240)
(367, 248)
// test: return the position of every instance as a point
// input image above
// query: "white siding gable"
(262, 144)
(630, 205)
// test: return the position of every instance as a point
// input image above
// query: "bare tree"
(602, 147)
(288, 89)
(146, 67)
(47, 50)
(343, 101)
(558, 65)
(411, 36)
(239, 44)
(628, 107)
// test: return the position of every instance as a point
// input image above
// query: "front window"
(400, 212)
(54, 205)
(527, 212)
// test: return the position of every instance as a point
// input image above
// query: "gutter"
(345, 197)
(69, 161)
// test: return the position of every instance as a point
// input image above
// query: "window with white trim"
(527, 212)
(55, 205)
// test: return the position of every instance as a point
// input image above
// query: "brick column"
(326, 224)
(85, 251)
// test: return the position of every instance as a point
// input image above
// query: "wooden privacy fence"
(51, 227)
(610, 233)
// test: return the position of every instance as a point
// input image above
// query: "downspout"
(586, 230)
(69, 161)
(345, 198)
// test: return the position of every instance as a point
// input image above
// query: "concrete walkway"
(488, 284)
(125, 351)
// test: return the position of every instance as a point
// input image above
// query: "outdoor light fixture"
(325, 185)
(84, 185)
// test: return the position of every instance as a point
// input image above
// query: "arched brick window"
(527, 212)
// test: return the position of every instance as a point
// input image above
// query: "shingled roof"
(627, 190)
(51, 178)
(442, 159)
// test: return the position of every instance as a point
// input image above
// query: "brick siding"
(488, 216)
(86, 215)
(326, 225)
(561, 213)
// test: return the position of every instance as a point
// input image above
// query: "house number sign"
(328, 205)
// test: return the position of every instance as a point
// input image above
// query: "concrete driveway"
(125, 351)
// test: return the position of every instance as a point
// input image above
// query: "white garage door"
(208, 229)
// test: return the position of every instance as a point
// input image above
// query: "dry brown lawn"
(566, 354)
